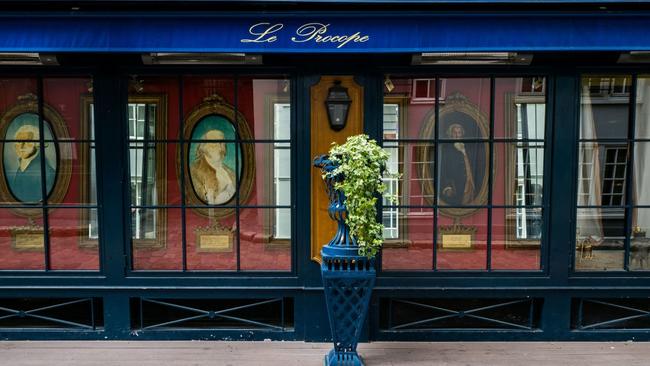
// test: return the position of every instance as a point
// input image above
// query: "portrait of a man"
(218, 167)
(462, 157)
(457, 160)
(213, 180)
(23, 160)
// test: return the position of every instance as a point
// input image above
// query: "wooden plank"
(204, 353)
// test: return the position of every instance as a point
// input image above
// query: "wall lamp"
(472, 58)
(338, 105)
(11, 58)
(201, 59)
(634, 57)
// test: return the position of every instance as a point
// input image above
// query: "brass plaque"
(215, 242)
(457, 241)
(29, 241)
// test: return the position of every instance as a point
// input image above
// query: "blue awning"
(329, 33)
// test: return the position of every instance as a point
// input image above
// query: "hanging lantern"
(338, 105)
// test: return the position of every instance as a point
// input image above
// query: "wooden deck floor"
(202, 353)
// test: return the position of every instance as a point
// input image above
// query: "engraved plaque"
(457, 241)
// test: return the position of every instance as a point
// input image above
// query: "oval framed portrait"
(24, 160)
(463, 167)
(216, 167)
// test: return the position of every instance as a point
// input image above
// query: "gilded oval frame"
(455, 102)
(215, 105)
(29, 104)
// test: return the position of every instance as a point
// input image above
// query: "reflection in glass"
(408, 241)
(147, 167)
(64, 94)
(265, 103)
(64, 225)
(260, 248)
(519, 176)
(639, 241)
(602, 173)
(143, 187)
(147, 255)
(642, 107)
(524, 116)
(21, 242)
(516, 238)
(409, 107)
(600, 239)
(462, 240)
(415, 166)
(604, 106)
(641, 173)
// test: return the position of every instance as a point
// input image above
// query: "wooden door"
(322, 136)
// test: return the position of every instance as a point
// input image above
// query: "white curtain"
(589, 220)
(641, 154)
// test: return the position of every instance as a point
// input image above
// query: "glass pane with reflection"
(160, 246)
(641, 173)
(462, 239)
(600, 239)
(604, 111)
(602, 174)
(265, 239)
(642, 124)
(409, 108)
(22, 240)
(67, 251)
(516, 238)
(211, 236)
(519, 175)
(408, 239)
(640, 240)
(520, 108)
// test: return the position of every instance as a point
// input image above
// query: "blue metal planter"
(348, 279)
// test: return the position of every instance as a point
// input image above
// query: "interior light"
(201, 59)
(472, 58)
(634, 57)
(15, 58)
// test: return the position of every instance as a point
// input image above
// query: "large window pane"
(451, 171)
(215, 156)
(603, 170)
(44, 161)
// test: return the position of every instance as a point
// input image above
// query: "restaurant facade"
(157, 179)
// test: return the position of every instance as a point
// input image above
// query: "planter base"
(342, 359)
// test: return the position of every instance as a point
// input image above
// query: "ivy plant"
(361, 163)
